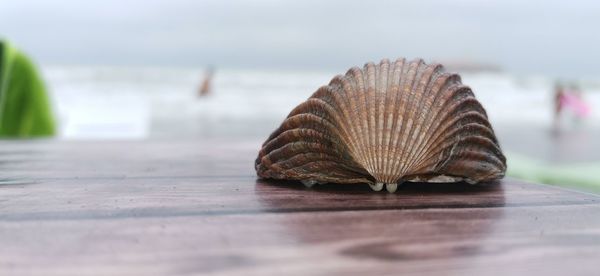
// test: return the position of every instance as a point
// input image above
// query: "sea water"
(139, 103)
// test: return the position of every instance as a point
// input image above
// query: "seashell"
(386, 124)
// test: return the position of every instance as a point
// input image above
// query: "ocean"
(162, 103)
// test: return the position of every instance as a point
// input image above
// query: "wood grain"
(196, 208)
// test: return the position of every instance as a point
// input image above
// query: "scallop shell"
(386, 124)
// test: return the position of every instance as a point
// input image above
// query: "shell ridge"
(391, 118)
(398, 120)
(349, 92)
(438, 106)
(306, 172)
(412, 103)
(455, 141)
(461, 116)
(302, 158)
(443, 135)
(406, 90)
(358, 133)
(483, 142)
(329, 115)
(383, 96)
(386, 114)
(375, 126)
(342, 110)
(358, 81)
(443, 161)
(309, 135)
(449, 83)
(291, 135)
(370, 119)
(291, 165)
(473, 162)
(291, 123)
(381, 102)
(444, 123)
(423, 79)
(300, 147)
(425, 123)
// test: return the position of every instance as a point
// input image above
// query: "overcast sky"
(556, 38)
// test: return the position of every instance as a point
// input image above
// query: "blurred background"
(182, 69)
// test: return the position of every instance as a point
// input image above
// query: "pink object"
(575, 103)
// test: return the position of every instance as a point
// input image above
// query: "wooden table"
(196, 207)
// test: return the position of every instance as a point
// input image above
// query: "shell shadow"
(406, 188)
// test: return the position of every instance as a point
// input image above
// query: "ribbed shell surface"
(386, 123)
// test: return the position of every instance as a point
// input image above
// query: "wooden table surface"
(197, 208)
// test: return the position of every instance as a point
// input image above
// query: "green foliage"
(25, 109)
(583, 177)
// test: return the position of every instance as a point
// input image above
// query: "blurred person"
(206, 86)
(559, 93)
(572, 100)
(25, 109)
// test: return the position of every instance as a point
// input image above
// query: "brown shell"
(386, 124)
